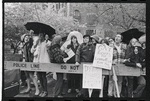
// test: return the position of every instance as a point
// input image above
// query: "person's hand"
(144, 70)
(123, 61)
(139, 65)
(77, 63)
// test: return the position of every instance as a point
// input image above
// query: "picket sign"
(92, 78)
(103, 56)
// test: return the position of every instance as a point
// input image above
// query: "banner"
(103, 56)
(92, 77)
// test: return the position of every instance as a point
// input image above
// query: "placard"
(92, 77)
(70, 54)
(103, 56)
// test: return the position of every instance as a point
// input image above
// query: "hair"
(121, 36)
(24, 38)
(130, 43)
(74, 37)
(139, 51)
(105, 41)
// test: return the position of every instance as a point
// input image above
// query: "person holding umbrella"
(41, 56)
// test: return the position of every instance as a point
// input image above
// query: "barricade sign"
(120, 69)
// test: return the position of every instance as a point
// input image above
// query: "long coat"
(27, 51)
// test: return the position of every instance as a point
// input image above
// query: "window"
(77, 13)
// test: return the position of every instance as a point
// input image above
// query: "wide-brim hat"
(95, 37)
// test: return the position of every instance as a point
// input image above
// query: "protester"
(136, 60)
(41, 56)
(119, 58)
(48, 42)
(129, 51)
(57, 56)
(73, 79)
(111, 41)
(95, 39)
(28, 56)
(104, 41)
(85, 53)
(106, 77)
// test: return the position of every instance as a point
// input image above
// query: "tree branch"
(37, 13)
(122, 9)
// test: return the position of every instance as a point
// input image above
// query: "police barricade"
(120, 69)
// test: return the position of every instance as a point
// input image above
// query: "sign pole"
(115, 80)
(101, 90)
(90, 92)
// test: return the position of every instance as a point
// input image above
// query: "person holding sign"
(73, 79)
(57, 56)
(85, 53)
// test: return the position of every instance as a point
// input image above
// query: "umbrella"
(68, 41)
(38, 27)
(131, 33)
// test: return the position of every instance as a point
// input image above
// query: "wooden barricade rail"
(120, 69)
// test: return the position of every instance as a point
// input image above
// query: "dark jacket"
(56, 54)
(135, 58)
(129, 51)
(72, 60)
(85, 53)
(27, 51)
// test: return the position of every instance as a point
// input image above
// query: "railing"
(120, 69)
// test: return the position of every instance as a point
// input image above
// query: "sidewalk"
(51, 84)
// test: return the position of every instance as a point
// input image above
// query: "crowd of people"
(40, 49)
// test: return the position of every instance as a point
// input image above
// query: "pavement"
(51, 84)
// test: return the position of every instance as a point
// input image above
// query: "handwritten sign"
(92, 77)
(103, 56)
(70, 54)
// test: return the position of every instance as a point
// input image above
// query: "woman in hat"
(73, 79)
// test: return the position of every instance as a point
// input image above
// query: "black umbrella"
(131, 33)
(38, 27)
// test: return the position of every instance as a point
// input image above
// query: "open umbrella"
(38, 27)
(131, 33)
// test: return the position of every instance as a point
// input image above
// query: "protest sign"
(92, 77)
(103, 56)
(70, 54)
